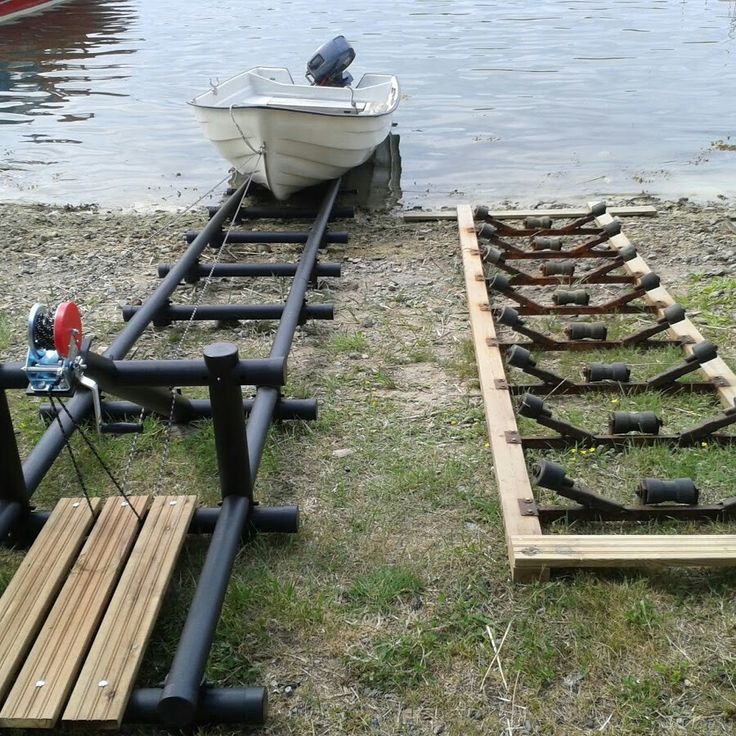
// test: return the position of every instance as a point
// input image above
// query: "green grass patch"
(385, 585)
(715, 297)
(355, 342)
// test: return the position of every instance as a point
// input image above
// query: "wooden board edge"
(568, 551)
(439, 215)
(496, 401)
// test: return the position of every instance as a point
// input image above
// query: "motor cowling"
(327, 66)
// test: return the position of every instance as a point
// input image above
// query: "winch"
(54, 343)
(327, 66)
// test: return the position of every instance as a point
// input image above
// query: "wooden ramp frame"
(531, 553)
(74, 624)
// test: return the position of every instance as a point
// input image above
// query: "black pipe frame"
(176, 312)
(179, 701)
(251, 270)
(183, 701)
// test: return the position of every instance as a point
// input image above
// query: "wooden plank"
(539, 553)
(106, 681)
(43, 685)
(572, 213)
(31, 592)
(716, 370)
(508, 456)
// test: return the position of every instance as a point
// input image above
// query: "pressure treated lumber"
(428, 215)
(106, 681)
(48, 674)
(716, 370)
(536, 553)
(31, 592)
(508, 456)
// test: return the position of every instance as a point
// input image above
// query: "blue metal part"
(327, 66)
(45, 368)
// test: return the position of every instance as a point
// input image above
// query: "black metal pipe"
(256, 270)
(285, 213)
(178, 703)
(226, 400)
(246, 705)
(340, 237)
(305, 409)
(295, 301)
(266, 371)
(12, 375)
(230, 311)
(264, 519)
(12, 483)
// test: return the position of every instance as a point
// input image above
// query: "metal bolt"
(103, 683)
(123, 503)
(40, 683)
(75, 505)
(172, 503)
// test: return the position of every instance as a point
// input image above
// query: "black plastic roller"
(618, 372)
(579, 296)
(623, 422)
(612, 228)
(494, 255)
(499, 282)
(533, 407)
(550, 475)
(520, 357)
(673, 314)
(558, 268)
(597, 209)
(509, 317)
(481, 212)
(547, 242)
(586, 331)
(487, 231)
(704, 351)
(538, 223)
(628, 253)
(649, 281)
(680, 490)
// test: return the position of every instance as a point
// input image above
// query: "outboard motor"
(327, 67)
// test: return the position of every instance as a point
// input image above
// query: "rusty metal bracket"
(528, 507)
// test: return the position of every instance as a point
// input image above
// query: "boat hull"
(288, 150)
(14, 9)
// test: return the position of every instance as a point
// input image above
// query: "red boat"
(11, 9)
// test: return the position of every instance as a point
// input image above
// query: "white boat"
(290, 136)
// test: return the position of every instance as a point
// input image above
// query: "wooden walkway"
(76, 618)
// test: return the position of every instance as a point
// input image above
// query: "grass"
(377, 617)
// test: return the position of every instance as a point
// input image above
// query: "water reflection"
(44, 59)
(524, 100)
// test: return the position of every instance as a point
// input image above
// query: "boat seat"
(77, 616)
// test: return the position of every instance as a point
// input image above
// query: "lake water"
(523, 100)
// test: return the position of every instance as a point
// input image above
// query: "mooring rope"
(190, 322)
